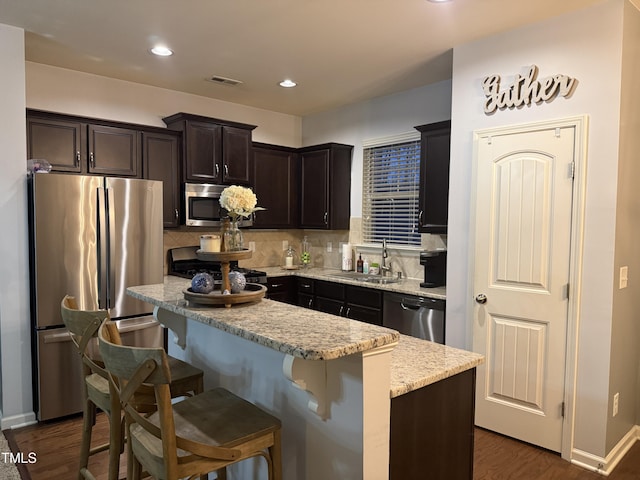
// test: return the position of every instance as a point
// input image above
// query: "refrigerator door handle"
(103, 245)
(111, 247)
(57, 337)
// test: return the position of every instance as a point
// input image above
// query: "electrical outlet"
(285, 245)
(624, 276)
(329, 247)
(616, 399)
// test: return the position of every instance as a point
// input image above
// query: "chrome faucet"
(384, 268)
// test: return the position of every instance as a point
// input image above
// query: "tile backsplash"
(270, 246)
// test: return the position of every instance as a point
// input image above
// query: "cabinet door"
(281, 289)
(329, 305)
(305, 300)
(114, 151)
(434, 177)
(363, 314)
(274, 176)
(314, 207)
(60, 142)
(203, 148)
(161, 161)
(236, 144)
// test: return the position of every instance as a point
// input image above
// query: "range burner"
(183, 262)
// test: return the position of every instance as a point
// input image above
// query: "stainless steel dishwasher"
(415, 316)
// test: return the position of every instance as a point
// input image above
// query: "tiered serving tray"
(253, 292)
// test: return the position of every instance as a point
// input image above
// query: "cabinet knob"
(420, 218)
(217, 169)
(326, 218)
(177, 213)
(226, 170)
(92, 160)
(77, 162)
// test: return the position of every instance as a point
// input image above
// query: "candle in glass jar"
(210, 243)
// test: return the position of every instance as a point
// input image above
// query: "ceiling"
(338, 51)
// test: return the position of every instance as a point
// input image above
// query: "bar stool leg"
(88, 420)
(275, 452)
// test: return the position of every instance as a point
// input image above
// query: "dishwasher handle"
(415, 303)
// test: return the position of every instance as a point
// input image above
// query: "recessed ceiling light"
(161, 51)
(288, 83)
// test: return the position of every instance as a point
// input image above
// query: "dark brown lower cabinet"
(281, 289)
(432, 431)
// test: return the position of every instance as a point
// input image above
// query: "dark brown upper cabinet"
(275, 180)
(214, 151)
(79, 145)
(114, 151)
(61, 142)
(325, 196)
(161, 161)
(435, 148)
(74, 145)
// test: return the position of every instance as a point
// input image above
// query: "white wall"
(67, 91)
(625, 334)
(584, 45)
(379, 117)
(15, 337)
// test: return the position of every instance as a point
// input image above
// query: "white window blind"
(390, 191)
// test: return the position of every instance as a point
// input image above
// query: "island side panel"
(313, 448)
(432, 430)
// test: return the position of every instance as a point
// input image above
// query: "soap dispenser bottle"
(359, 264)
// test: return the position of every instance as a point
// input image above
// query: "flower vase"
(233, 240)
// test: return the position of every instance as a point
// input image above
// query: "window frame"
(411, 231)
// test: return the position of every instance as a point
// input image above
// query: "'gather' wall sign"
(525, 90)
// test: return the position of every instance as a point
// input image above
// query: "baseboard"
(17, 421)
(604, 466)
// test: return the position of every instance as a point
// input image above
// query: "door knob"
(481, 298)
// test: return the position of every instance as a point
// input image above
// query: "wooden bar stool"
(83, 326)
(190, 438)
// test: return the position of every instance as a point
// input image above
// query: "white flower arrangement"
(239, 201)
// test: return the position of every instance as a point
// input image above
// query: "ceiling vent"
(224, 80)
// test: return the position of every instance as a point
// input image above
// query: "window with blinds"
(390, 191)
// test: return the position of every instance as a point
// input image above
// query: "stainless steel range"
(183, 262)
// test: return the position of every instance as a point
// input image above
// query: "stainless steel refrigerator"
(90, 237)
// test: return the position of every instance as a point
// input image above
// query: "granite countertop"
(406, 285)
(416, 363)
(293, 330)
(315, 335)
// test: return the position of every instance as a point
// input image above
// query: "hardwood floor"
(497, 457)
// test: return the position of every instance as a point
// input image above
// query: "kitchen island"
(329, 379)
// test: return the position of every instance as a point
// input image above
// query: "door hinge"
(566, 291)
(572, 170)
(562, 409)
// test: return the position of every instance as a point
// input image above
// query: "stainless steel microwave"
(202, 206)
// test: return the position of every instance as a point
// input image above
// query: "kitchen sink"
(366, 278)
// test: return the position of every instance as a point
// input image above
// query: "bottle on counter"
(305, 257)
(359, 264)
(365, 266)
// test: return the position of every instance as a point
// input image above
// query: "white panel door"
(522, 254)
